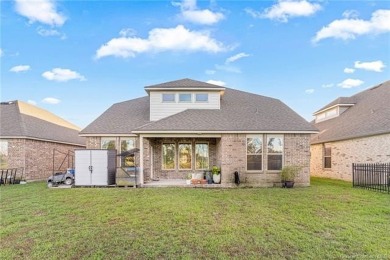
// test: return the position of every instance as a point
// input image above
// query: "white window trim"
(266, 145)
(324, 156)
(262, 153)
(185, 101)
(178, 156)
(208, 158)
(162, 97)
(162, 157)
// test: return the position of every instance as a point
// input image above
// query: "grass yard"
(330, 219)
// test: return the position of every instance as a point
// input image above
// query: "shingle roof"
(240, 111)
(121, 118)
(184, 83)
(338, 101)
(17, 124)
(369, 116)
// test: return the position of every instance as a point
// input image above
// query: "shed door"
(99, 164)
(82, 164)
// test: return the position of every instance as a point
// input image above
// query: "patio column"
(141, 159)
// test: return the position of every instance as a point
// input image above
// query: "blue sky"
(77, 58)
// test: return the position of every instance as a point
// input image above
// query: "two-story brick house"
(187, 126)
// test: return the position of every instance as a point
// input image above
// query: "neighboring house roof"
(240, 111)
(338, 101)
(369, 116)
(184, 84)
(22, 120)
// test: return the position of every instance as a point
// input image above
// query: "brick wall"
(93, 142)
(233, 158)
(36, 157)
(373, 149)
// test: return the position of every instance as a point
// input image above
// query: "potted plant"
(288, 174)
(216, 171)
(188, 178)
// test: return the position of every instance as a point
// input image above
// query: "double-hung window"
(327, 157)
(185, 156)
(274, 152)
(127, 144)
(254, 153)
(168, 156)
(108, 143)
(201, 156)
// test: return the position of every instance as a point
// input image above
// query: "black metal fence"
(373, 176)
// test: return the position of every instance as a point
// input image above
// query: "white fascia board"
(201, 133)
(107, 135)
(329, 108)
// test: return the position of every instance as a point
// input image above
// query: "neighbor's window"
(202, 97)
(3, 154)
(108, 143)
(168, 97)
(168, 156)
(254, 153)
(185, 98)
(327, 157)
(185, 156)
(201, 156)
(274, 152)
(126, 145)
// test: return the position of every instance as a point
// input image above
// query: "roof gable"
(184, 84)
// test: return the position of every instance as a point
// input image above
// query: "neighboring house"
(353, 129)
(187, 126)
(29, 134)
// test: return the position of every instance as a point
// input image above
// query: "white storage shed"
(95, 167)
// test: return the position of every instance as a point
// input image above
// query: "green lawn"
(330, 219)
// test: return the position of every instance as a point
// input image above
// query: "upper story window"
(185, 97)
(168, 97)
(202, 97)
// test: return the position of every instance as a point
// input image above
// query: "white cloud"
(309, 91)
(349, 70)
(159, 40)
(59, 74)
(236, 57)
(286, 9)
(190, 13)
(43, 11)
(32, 102)
(228, 68)
(50, 32)
(20, 68)
(1, 52)
(330, 85)
(351, 14)
(127, 32)
(51, 100)
(350, 28)
(216, 82)
(377, 66)
(350, 83)
(210, 72)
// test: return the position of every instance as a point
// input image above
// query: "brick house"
(353, 129)
(187, 126)
(29, 134)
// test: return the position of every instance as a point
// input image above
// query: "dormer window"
(201, 97)
(185, 98)
(168, 98)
